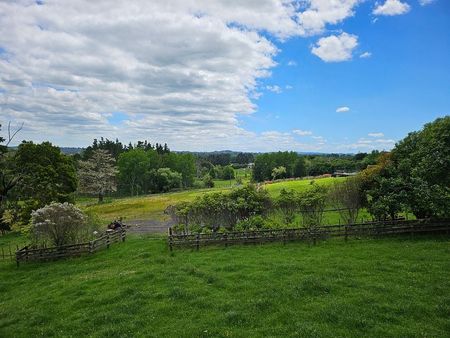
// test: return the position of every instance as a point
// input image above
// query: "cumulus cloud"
(335, 48)
(365, 55)
(180, 71)
(364, 144)
(342, 109)
(300, 132)
(274, 89)
(391, 7)
(320, 13)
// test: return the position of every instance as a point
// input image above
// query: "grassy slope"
(376, 288)
(153, 206)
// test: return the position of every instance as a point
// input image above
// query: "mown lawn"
(373, 288)
(153, 206)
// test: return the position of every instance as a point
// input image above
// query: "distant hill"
(71, 150)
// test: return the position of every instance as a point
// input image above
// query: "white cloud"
(391, 7)
(320, 13)
(376, 134)
(342, 109)
(292, 63)
(288, 87)
(300, 132)
(335, 48)
(180, 71)
(274, 89)
(365, 55)
(426, 2)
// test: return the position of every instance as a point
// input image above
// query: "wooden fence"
(309, 234)
(27, 254)
(7, 253)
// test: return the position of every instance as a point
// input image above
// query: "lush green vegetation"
(153, 206)
(376, 288)
(414, 177)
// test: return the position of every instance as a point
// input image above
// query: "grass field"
(372, 288)
(153, 206)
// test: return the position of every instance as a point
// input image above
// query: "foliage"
(97, 175)
(256, 222)
(265, 163)
(208, 181)
(139, 168)
(278, 172)
(47, 175)
(164, 180)
(312, 205)
(220, 210)
(227, 173)
(59, 224)
(347, 196)
(133, 167)
(415, 176)
(288, 203)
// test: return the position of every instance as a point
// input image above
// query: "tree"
(300, 167)
(59, 224)
(228, 173)
(208, 181)
(133, 167)
(9, 175)
(97, 175)
(47, 175)
(278, 172)
(348, 198)
(288, 203)
(312, 205)
(415, 177)
(164, 180)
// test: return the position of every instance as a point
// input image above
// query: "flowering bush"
(59, 224)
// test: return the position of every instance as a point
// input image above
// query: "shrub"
(59, 224)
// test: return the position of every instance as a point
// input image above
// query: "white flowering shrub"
(59, 224)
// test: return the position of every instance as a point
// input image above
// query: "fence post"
(170, 238)
(225, 238)
(91, 247)
(346, 233)
(122, 234)
(198, 241)
(107, 240)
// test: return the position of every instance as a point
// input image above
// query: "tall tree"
(97, 175)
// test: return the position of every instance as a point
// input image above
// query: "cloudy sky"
(251, 75)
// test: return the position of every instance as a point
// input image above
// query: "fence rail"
(27, 254)
(309, 234)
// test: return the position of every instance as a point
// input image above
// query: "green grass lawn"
(373, 288)
(153, 206)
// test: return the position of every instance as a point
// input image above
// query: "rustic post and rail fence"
(27, 254)
(311, 234)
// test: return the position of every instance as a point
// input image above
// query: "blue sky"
(402, 85)
(310, 75)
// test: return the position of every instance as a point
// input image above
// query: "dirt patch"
(147, 226)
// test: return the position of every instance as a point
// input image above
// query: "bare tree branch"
(14, 132)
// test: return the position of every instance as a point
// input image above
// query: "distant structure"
(343, 173)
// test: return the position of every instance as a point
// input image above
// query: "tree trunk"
(100, 197)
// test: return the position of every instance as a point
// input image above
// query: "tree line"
(289, 164)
